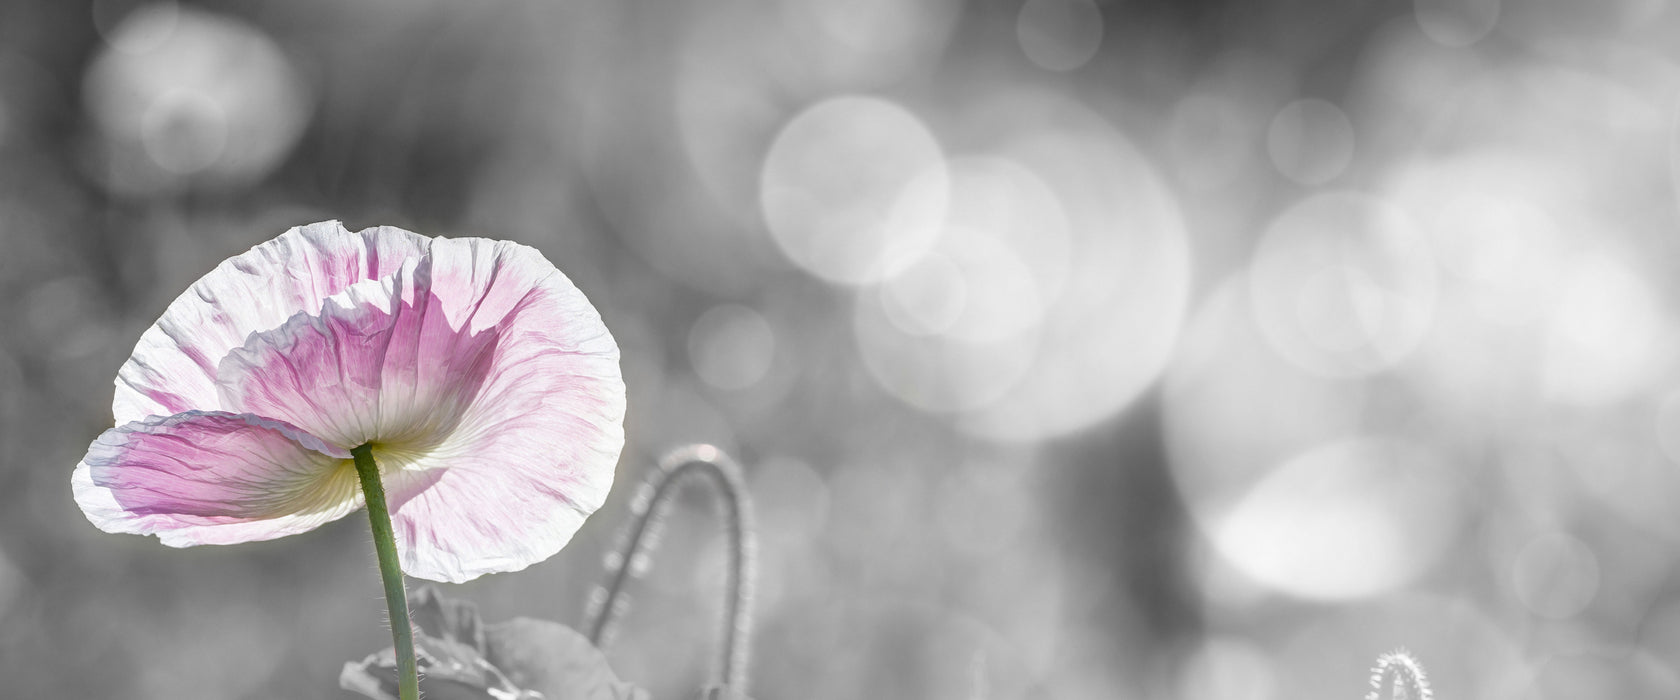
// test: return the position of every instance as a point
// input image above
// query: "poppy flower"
(484, 383)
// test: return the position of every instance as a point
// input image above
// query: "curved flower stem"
(396, 598)
(1399, 673)
(725, 475)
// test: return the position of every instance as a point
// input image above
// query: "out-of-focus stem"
(1399, 675)
(725, 475)
(390, 571)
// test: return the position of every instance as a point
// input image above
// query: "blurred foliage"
(1122, 349)
(461, 658)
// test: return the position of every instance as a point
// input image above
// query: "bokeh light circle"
(854, 189)
(1344, 284)
(1343, 521)
(150, 26)
(1111, 325)
(1311, 141)
(1059, 35)
(1489, 222)
(1009, 230)
(927, 298)
(1609, 337)
(184, 132)
(731, 346)
(183, 93)
(959, 327)
(908, 345)
(1068, 259)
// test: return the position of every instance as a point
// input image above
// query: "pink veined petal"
(378, 364)
(213, 478)
(488, 386)
(486, 383)
(173, 367)
(535, 451)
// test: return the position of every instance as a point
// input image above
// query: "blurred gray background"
(1153, 350)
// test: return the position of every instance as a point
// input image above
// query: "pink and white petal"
(213, 478)
(173, 367)
(379, 364)
(536, 450)
(506, 494)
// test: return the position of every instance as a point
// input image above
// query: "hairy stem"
(722, 472)
(396, 598)
(1399, 674)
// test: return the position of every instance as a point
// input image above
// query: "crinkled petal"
(535, 450)
(378, 364)
(173, 367)
(203, 477)
(486, 383)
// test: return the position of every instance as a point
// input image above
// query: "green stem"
(385, 544)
